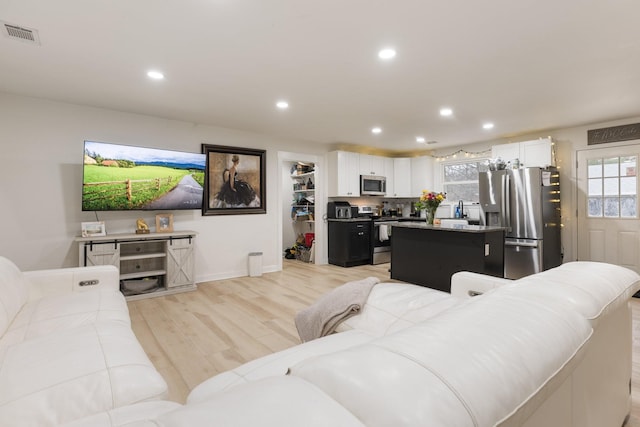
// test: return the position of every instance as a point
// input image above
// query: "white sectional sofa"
(67, 351)
(552, 349)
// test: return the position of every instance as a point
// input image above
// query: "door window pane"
(611, 207)
(595, 207)
(611, 167)
(594, 168)
(628, 207)
(628, 185)
(628, 166)
(595, 187)
(612, 187)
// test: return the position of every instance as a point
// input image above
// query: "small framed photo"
(95, 228)
(164, 223)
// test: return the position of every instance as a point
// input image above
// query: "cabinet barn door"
(101, 254)
(180, 266)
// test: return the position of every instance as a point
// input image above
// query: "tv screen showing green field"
(125, 177)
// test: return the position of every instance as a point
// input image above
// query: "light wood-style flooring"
(192, 336)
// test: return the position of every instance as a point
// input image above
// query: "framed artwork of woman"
(234, 180)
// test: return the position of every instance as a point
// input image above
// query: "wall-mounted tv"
(124, 177)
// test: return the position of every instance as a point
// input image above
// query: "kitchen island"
(429, 255)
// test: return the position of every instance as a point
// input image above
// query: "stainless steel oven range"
(381, 240)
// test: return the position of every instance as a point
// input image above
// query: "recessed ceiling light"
(487, 126)
(420, 139)
(155, 75)
(446, 112)
(387, 54)
(376, 130)
(283, 105)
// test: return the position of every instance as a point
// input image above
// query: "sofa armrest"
(466, 284)
(43, 283)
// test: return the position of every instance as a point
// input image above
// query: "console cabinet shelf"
(150, 264)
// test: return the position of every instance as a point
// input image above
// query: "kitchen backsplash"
(446, 210)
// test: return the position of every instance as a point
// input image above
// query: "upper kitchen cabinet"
(534, 153)
(401, 178)
(388, 173)
(421, 175)
(537, 153)
(371, 165)
(343, 174)
(507, 152)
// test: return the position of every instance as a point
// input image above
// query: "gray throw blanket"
(323, 316)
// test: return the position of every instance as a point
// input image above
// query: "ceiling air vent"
(22, 34)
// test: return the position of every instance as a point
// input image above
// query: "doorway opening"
(607, 198)
(302, 208)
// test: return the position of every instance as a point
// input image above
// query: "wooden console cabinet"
(165, 259)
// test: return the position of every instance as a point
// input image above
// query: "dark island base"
(429, 257)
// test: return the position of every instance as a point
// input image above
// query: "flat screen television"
(123, 177)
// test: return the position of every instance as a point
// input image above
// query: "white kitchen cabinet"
(402, 177)
(535, 153)
(371, 165)
(507, 152)
(164, 261)
(343, 174)
(421, 175)
(388, 173)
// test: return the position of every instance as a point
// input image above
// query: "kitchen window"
(460, 179)
(612, 184)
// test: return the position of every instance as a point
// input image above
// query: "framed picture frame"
(234, 181)
(164, 223)
(94, 228)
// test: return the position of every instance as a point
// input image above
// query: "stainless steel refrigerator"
(527, 202)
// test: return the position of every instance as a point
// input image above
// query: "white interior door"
(608, 224)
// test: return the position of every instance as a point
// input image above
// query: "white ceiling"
(526, 65)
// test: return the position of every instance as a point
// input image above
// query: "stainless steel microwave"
(373, 185)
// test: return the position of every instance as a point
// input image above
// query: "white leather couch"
(67, 351)
(552, 349)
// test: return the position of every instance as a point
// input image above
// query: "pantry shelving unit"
(303, 205)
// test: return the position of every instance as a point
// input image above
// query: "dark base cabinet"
(349, 242)
(429, 257)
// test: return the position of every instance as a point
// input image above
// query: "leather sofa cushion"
(64, 312)
(13, 292)
(67, 375)
(472, 365)
(270, 402)
(395, 306)
(590, 288)
(137, 415)
(276, 364)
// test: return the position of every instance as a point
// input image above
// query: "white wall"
(41, 178)
(41, 173)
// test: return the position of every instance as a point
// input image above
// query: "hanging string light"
(464, 154)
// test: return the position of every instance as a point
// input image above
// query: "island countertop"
(457, 227)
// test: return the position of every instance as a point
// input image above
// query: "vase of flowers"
(429, 201)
